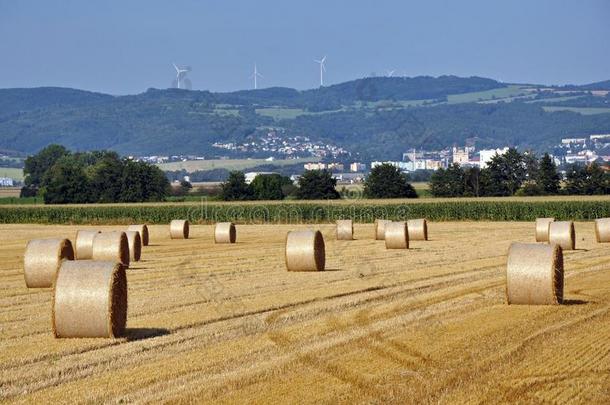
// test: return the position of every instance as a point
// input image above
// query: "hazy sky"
(125, 47)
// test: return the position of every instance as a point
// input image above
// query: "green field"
(495, 94)
(13, 173)
(229, 164)
(361, 211)
(279, 113)
(580, 110)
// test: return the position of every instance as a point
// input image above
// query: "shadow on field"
(134, 334)
(575, 302)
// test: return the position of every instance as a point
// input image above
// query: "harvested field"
(227, 323)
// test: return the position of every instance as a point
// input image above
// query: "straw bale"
(562, 233)
(83, 246)
(396, 235)
(542, 229)
(90, 300)
(534, 274)
(305, 251)
(111, 246)
(135, 245)
(345, 229)
(143, 229)
(602, 230)
(418, 229)
(225, 232)
(380, 228)
(179, 229)
(42, 259)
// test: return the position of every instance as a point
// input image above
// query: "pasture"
(228, 323)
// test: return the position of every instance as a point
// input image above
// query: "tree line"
(384, 181)
(514, 173)
(60, 176)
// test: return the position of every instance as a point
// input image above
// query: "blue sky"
(125, 47)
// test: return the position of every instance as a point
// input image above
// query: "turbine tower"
(181, 81)
(255, 76)
(322, 69)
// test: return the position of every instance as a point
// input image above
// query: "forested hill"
(373, 117)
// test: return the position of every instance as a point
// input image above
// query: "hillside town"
(586, 150)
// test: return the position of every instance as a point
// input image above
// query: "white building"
(569, 141)
(357, 167)
(399, 165)
(6, 182)
(250, 176)
(485, 155)
(314, 166)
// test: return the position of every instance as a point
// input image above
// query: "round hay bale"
(562, 234)
(380, 228)
(418, 229)
(90, 300)
(396, 235)
(542, 229)
(143, 229)
(305, 251)
(135, 245)
(602, 230)
(179, 229)
(84, 244)
(345, 229)
(534, 274)
(225, 232)
(111, 246)
(42, 259)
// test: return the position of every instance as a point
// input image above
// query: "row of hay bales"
(90, 284)
(534, 271)
(89, 278)
(305, 250)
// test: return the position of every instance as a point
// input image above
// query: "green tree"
(37, 165)
(235, 188)
(507, 173)
(598, 182)
(65, 182)
(317, 185)
(448, 182)
(105, 176)
(142, 182)
(576, 179)
(387, 181)
(269, 186)
(548, 179)
(476, 182)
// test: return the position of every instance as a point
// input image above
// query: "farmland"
(227, 323)
(229, 164)
(11, 172)
(361, 210)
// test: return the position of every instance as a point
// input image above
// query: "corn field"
(287, 213)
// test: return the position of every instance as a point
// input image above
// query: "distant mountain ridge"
(377, 117)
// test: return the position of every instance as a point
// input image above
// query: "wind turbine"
(181, 82)
(255, 76)
(390, 73)
(322, 69)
